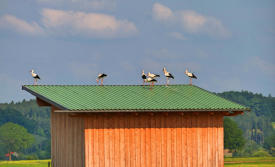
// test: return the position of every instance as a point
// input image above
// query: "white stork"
(143, 76)
(168, 75)
(101, 76)
(151, 80)
(35, 77)
(151, 75)
(190, 75)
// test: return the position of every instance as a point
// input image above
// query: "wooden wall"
(67, 140)
(154, 139)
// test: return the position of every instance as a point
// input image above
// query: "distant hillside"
(35, 119)
(257, 124)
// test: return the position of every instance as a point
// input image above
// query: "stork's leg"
(97, 81)
(101, 82)
(35, 81)
(166, 81)
(190, 81)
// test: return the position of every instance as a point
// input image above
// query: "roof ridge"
(112, 85)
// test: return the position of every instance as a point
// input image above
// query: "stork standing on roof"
(35, 77)
(168, 75)
(151, 80)
(143, 76)
(190, 75)
(100, 77)
(151, 75)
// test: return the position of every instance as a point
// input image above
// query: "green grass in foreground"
(25, 163)
(250, 162)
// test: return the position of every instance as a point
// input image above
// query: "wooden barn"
(133, 125)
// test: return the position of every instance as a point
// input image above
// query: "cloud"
(70, 23)
(190, 21)
(177, 35)
(20, 26)
(162, 13)
(86, 24)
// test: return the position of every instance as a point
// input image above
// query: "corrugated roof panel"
(131, 97)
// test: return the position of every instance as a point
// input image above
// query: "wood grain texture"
(67, 140)
(143, 139)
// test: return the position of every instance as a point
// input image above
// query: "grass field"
(250, 162)
(25, 163)
(234, 162)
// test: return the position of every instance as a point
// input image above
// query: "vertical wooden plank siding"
(153, 139)
(67, 140)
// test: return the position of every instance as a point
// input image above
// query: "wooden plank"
(111, 126)
(127, 141)
(148, 140)
(204, 139)
(210, 133)
(131, 139)
(189, 140)
(173, 138)
(52, 138)
(143, 139)
(75, 144)
(137, 138)
(199, 137)
(117, 141)
(195, 139)
(59, 148)
(179, 147)
(184, 139)
(123, 139)
(96, 141)
(163, 141)
(169, 142)
(87, 143)
(215, 139)
(91, 141)
(101, 140)
(106, 140)
(153, 140)
(158, 139)
(221, 141)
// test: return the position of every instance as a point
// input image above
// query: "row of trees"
(256, 125)
(35, 120)
(14, 138)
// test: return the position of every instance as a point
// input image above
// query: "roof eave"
(44, 98)
(146, 110)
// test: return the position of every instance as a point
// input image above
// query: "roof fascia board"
(44, 98)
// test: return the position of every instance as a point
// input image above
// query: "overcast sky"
(229, 45)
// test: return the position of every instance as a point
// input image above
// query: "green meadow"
(25, 163)
(250, 162)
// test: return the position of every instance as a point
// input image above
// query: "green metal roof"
(132, 98)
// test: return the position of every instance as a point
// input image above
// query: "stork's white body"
(190, 75)
(151, 75)
(35, 77)
(168, 75)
